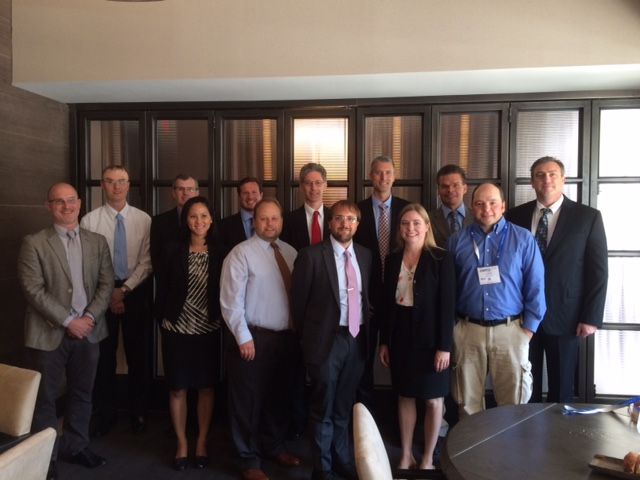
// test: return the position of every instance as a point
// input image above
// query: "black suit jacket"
(367, 236)
(165, 228)
(316, 300)
(434, 297)
(295, 231)
(173, 281)
(231, 231)
(576, 266)
(440, 225)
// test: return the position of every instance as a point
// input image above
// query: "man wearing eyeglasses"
(329, 295)
(127, 231)
(165, 227)
(66, 275)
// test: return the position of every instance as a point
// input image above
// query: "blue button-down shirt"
(521, 289)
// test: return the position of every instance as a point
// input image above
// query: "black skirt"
(191, 361)
(412, 371)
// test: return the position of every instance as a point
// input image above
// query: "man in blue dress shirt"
(501, 302)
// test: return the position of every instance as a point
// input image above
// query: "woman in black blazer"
(188, 306)
(418, 312)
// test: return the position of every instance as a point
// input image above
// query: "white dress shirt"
(252, 291)
(137, 224)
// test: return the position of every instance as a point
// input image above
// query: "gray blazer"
(43, 273)
(440, 225)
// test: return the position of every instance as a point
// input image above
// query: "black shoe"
(180, 464)
(87, 458)
(138, 424)
(201, 461)
(52, 474)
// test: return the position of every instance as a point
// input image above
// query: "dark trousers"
(365, 386)
(76, 361)
(260, 395)
(136, 337)
(333, 392)
(562, 358)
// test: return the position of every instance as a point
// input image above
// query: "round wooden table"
(534, 441)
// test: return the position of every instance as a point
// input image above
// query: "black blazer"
(295, 231)
(434, 297)
(173, 281)
(231, 231)
(165, 228)
(316, 300)
(576, 266)
(440, 225)
(367, 236)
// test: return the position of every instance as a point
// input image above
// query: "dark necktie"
(120, 264)
(542, 230)
(285, 273)
(353, 294)
(454, 226)
(384, 235)
(316, 234)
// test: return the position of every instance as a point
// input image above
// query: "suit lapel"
(562, 225)
(330, 263)
(58, 248)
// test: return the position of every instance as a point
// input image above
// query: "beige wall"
(34, 153)
(84, 40)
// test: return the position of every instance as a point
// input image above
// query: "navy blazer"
(434, 297)
(231, 231)
(165, 228)
(576, 266)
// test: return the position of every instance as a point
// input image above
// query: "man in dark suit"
(572, 240)
(66, 276)
(330, 309)
(377, 232)
(451, 215)
(165, 227)
(238, 227)
(308, 224)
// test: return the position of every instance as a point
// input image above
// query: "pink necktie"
(353, 294)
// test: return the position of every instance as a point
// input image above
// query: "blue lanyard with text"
(500, 245)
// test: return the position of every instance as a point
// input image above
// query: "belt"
(256, 328)
(491, 323)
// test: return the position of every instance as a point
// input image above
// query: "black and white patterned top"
(194, 318)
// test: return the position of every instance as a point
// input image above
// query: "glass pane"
(616, 359)
(620, 143)
(524, 193)
(250, 149)
(114, 142)
(96, 198)
(183, 147)
(166, 202)
(611, 198)
(324, 141)
(471, 140)
(412, 194)
(331, 196)
(622, 305)
(398, 137)
(230, 203)
(548, 133)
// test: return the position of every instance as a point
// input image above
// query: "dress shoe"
(87, 458)
(201, 461)
(254, 474)
(285, 459)
(180, 463)
(52, 473)
(138, 424)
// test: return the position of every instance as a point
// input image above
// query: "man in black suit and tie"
(308, 224)
(165, 227)
(572, 240)
(451, 215)
(330, 308)
(377, 232)
(66, 275)
(238, 227)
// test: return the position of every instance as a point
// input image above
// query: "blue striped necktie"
(120, 249)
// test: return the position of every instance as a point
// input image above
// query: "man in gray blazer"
(451, 215)
(66, 276)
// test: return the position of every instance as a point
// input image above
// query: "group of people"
(450, 297)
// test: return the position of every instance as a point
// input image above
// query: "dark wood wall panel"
(34, 153)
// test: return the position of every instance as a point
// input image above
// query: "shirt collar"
(113, 212)
(310, 211)
(338, 250)
(245, 215)
(377, 202)
(461, 210)
(62, 231)
(554, 207)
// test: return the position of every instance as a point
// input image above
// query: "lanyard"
(500, 245)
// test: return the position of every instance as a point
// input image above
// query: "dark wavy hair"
(185, 233)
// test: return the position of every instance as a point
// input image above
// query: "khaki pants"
(503, 352)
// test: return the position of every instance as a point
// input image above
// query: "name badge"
(489, 275)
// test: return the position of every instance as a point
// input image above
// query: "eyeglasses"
(347, 218)
(61, 202)
(315, 183)
(120, 182)
(186, 189)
